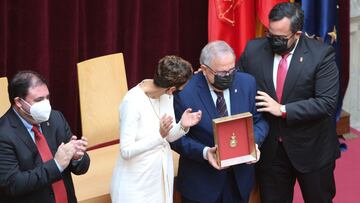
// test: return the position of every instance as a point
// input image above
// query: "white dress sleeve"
(129, 119)
(176, 131)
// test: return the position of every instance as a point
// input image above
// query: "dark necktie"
(45, 153)
(281, 75)
(220, 104)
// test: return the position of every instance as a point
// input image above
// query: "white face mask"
(40, 111)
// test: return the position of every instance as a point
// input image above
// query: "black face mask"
(279, 45)
(223, 82)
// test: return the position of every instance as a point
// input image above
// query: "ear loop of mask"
(24, 109)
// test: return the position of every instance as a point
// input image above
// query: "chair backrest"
(4, 96)
(102, 85)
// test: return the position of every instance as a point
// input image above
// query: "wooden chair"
(4, 96)
(102, 85)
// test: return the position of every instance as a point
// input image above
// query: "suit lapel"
(20, 131)
(295, 68)
(205, 97)
(45, 127)
(267, 61)
(235, 100)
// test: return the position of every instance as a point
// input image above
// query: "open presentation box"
(234, 136)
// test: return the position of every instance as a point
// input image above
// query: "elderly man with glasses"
(218, 90)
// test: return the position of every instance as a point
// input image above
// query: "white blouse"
(144, 170)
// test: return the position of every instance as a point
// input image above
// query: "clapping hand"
(190, 118)
(80, 146)
(165, 125)
(64, 154)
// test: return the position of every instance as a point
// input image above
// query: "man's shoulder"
(196, 83)
(56, 115)
(244, 81)
(195, 80)
(242, 77)
(314, 44)
(5, 124)
(257, 43)
(258, 40)
(4, 119)
(55, 112)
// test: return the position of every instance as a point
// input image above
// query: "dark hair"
(172, 71)
(289, 10)
(22, 82)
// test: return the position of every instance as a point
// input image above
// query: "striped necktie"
(220, 104)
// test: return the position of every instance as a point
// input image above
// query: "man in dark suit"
(298, 79)
(200, 179)
(38, 152)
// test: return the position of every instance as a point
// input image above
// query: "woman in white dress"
(144, 170)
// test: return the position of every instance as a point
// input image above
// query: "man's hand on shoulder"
(265, 103)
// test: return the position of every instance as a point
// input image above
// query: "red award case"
(234, 136)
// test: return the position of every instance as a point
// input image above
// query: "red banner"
(232, 21)
(264, 7)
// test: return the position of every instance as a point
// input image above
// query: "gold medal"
(233, 140)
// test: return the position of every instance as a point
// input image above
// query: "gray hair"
(214, 49)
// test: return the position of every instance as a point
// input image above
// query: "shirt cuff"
(59, 167)
(205, 150)
(283, 111)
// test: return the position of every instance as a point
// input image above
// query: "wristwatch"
(283, 111)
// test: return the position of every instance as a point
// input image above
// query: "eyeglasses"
(221, 73)
(269, 34)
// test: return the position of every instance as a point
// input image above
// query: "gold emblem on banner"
(225, 10)
(233, 140)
